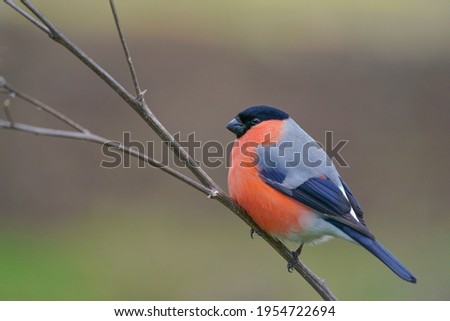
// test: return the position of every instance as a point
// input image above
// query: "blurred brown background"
(377, 74)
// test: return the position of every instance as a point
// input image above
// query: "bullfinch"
(289, 186)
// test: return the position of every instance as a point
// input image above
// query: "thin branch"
(59, 37)
(39, 15)
(42, 106)
(28, 16)
(43, 131)
(214, 191)
(88, 136)
(137, 88)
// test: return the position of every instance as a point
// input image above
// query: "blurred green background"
(376, 73)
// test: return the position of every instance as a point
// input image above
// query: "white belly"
(316, 230)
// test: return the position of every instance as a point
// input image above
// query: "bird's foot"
(294, 260)
(252, 231)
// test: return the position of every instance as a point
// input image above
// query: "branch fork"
(204, 183)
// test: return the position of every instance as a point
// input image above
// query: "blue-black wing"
(322, 195)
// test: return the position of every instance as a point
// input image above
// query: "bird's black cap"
(253, 116)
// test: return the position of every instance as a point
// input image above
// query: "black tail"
(379, 251)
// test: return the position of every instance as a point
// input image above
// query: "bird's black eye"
(255, 121)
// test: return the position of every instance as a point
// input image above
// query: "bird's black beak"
(237, 127)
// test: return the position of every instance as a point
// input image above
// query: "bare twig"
(28, 16)
(207, 184)
(139, 93)
(42, 106)
(88, 136)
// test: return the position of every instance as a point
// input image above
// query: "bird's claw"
(252, 231)
(294, 260)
